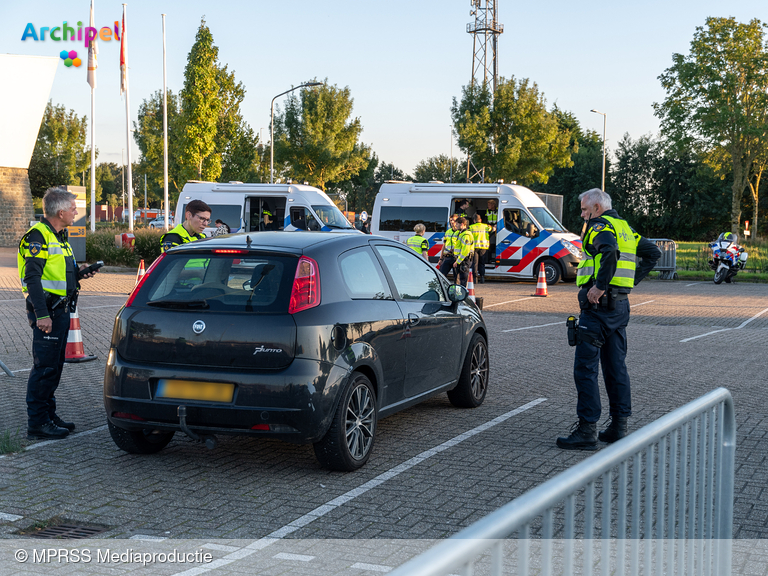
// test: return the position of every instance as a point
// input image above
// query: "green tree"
(148, 133)
(360, 190)
(388, 171)
(442, 168)
(716, 98)
(60, 155)
(316, 140)
(200, 106)
(513, 136)
(235, 140)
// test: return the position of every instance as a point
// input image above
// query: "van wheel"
(139, 441)
(349, 441)
(551, 270)
(473, 380)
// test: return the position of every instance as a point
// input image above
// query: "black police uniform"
(48, 350)
(603, 338)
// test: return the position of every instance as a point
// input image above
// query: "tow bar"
(209, 439)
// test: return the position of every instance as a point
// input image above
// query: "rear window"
(250, 283)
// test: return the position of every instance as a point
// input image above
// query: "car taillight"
(306, 286)
(143, 279)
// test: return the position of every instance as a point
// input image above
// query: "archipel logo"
(70, 58)
(66, 33)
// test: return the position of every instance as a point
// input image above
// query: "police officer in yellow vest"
(197, 216)
(50, 277)
(447, 257)
(464, 249)
(418, 243)
(615, 259)
(480, 232)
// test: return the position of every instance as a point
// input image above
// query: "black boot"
(616, 430)
(583, 437)
(47, 431)
(62, 424)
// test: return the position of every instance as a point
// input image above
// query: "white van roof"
(492, 190)
(194, 188)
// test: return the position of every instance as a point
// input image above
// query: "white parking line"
(508, 302)
(642, 303)
(297, 557)
(755, 317)
(694, 284)
(332, 505)
(532, 327)
(94, 307)
(10, 517)
(371, 567)
(75, 435)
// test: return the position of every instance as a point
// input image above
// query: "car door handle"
(505, 241)
(413, 319)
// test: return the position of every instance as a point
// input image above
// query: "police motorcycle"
(727, 257)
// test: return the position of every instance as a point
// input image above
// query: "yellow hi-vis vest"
(480, 232)
(185, 237)
(627, 241)
(465, 245)
(56, 253)
(419, 244)
(449, 241)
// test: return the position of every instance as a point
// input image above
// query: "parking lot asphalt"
(426, 478)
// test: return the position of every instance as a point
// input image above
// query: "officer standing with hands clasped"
(50, 277)
(197, 216)
(615, 259)
(447, 256)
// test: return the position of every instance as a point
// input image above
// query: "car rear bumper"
(296, 404)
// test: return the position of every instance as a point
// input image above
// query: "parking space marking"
(70, 436)
(694, 284)
(297, 557)
(641, 303)
(331, 505)
(508, 302)
(10, 517)
(532, 327)
(739, 327)
(147, 538)
(94, 307)
(371, 567)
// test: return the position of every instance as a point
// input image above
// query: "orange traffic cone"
(471, 287)
(141, 272)
(75, 351)
(541, 285)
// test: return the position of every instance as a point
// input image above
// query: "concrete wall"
(15, 205)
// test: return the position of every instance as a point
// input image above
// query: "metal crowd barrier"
(667, 264)
(672, 513)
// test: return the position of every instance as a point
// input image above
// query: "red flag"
(123, 67)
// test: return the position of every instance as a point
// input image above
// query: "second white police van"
(527, 233)
(260, 207)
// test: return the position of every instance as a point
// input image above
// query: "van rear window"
(258, 283)
(404, 218)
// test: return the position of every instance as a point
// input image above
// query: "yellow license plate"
(185, 390)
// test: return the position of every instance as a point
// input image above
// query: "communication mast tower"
(485, 31)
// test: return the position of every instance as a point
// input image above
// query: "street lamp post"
(272, 127)
(605, 117)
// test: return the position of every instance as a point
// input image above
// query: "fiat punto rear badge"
(198, 327)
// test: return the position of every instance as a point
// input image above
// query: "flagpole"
(124, 39)
(92, 65)
(165, 137)
(93, 159)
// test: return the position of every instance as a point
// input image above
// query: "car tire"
(349, 441)
(139, 441)
(551, 269)
(473, 380)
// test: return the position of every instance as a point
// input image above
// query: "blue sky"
(403, 60)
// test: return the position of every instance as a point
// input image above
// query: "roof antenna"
(248, 241)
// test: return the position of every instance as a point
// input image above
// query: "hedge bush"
(100, 245)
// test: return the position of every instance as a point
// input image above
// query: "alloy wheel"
(479, 369)
(360, 422)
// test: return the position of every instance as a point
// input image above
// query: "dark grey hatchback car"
(302, 336)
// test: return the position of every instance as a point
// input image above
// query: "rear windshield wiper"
(337, 226)
(200, 304)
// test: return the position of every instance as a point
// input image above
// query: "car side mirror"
(457, 293)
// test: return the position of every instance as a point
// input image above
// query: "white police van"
(258, 207)
(527, 232)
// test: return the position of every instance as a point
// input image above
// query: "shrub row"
(100, 245)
